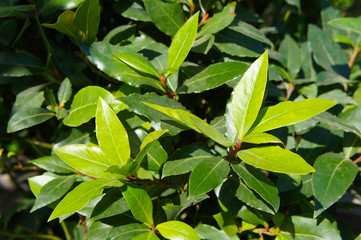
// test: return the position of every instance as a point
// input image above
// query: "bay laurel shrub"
(152, 119)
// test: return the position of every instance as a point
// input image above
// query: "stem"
(30, 141)
(289, 90)
(66, 231)
(357, 160)
(29, 236)
(353, 57)
(204, 20)
(163, 80)
(233, 150)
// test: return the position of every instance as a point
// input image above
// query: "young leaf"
(29, 117)
(182, 42)
(88, 160)
(111, 135)
(276, 159)
(84, 105)
(139, 203)
(227, 223)
(248, 95)
(52, 191)
(138, 62)
(64, 92)
(259, 182)
(347, 23)
(167, 16)
(87, 19)
(185, 160)
(207, 175)
(177, 230)
(261, 138)
(192, 121)
(80, 196)
(286, 113)
(146, 236)
(219, 20)
(334, 174)
(214, 76)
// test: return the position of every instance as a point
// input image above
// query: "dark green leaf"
(29, 117)
(286, 113)
(98, 230)
(207, 175)
(64, 92)
(138, 62)
(247, 96)
(52, 191)
(80, 196)
(53, 164)
(19, 64)
(339, 96)
(139, 203)
(227, 223)
(351, 144)
(214, 76)
(334, 174)
(328, 78)
(182, 42)
(203, 44)
(259, 182)
(131, 9)
(87, 19)
(352, 116)
(127, 232)
(167, 17)
(292, 53)
(250, 31)
(210, 232)
(65, 25)
(219, 20)
(347, 23)
(177, 230)
(276, 159)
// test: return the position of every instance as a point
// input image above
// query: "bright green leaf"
(333, 175)
(276, 159)
(176, 230)
(182, 42)
(261, 138)
(64, 92)
(247, 96)
(80, 196)
(111, 135)
(227, 223)
(286, 113)
(146, 236)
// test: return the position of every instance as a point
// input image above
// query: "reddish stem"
(233, 150)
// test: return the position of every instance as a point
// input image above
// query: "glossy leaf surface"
(26, 118)
(138, 62)
(64, 92)
(80, 196)
(111, 135)
(334, 174)
(207, 175)
(276, 159)
(87, 19)
(286, 113)
(182, 42)
(65, 24)
(53, 164)
(139, 203)
(128, 231)
(247, 96)
(260, 138)
(174, 230)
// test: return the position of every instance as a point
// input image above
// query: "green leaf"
(247, 96)
(52, 191)
(148, 142)
(84, 105)
(146, 236)
(185, 160)
(203, 44)
(167, 17)
(28, 117)
(219, 20)
(131, 9)
(292, 53)
(259, 182)
(347, 24)
(276, 159)
(182, 42)
(38, 182)
(87, 19)
(98, 230)
(351, 144)
(193, 122)
(286, 113)
(19, 64)
(227, 223)
(230, 127)
(333, 175)
(213, 76)
(80, 196)
(139, 203)
(111, 135)
(250, 31)
(207, 175)
(64, 92)
(65, 25)
(352, 116)
(300, 228)
(261, 138)
(210, 232)
(52, 164)
(128, 231)
(175, 230)
(138, 62)
(86, 159)
(101, 55)
(326, 52)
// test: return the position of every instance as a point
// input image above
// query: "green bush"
(174, 119)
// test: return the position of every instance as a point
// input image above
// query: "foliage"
(170, 119)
